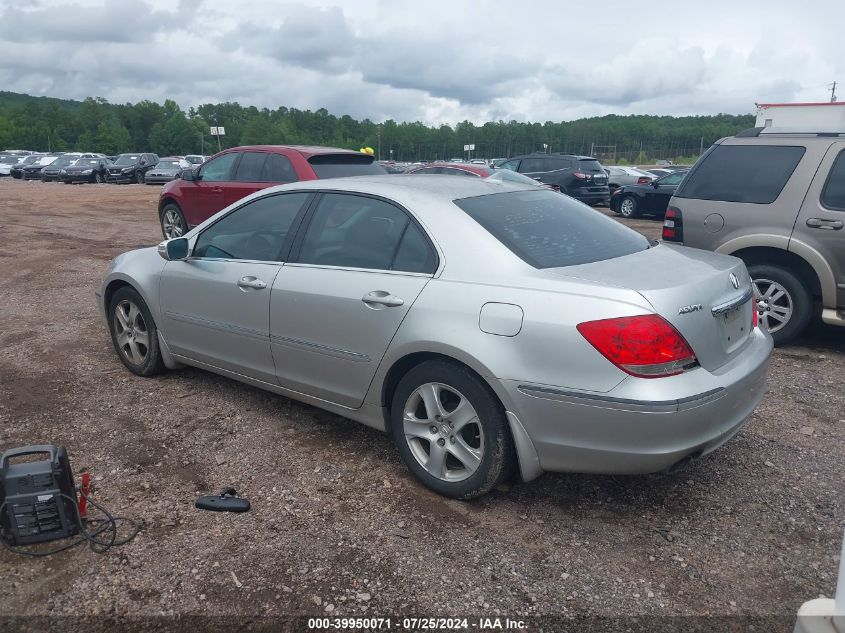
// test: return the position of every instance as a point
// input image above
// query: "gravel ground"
(338, 527)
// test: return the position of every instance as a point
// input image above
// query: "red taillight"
(580, 175)
(646, 346)
(673, 225)
(643, 180)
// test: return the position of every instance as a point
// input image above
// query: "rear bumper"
(642, 425)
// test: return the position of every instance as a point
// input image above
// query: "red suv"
(237, 172)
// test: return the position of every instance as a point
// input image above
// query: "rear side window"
(533, 165)
(340, 165)
(278, 168)
(361, 232)
(833, 196)
(249, 169)
(742, 173)
(548, 230)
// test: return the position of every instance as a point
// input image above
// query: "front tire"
(134, 333)
(629, 207)
(451, 430)
(784, 303)
(139, 177)
(98, 178)
(173, 222)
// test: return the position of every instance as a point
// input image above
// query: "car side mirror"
(174, 250)
(188, 174)
(655, 184)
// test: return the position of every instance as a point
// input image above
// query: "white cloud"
(435, 61)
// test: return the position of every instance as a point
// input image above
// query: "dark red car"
(237, 172)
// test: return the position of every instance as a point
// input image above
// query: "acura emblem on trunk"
(693, 308)
(734, 281)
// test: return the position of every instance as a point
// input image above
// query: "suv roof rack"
(757, 131)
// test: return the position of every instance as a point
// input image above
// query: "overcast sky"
(439, 62)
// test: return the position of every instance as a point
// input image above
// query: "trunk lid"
(692, 289)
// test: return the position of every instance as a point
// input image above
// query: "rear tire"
(471, 436)
(784, 302)
(629, 207)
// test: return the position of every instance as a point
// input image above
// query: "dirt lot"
(338, 527)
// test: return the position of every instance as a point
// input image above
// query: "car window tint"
(354, 232)
(548, 230)
(742, 173)
(219, 169)
(427, 170)
(672, 179)
(257, 230)
(532, 165)
(278, 168)
(833, 195)
(340, 165)
(451, 171)
(415, 254)
(250, 166)
(512, 165)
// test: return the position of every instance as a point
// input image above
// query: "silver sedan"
(490, 327)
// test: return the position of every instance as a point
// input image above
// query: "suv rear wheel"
(783, 301)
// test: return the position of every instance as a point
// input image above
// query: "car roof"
(306, 150)
(406, 188)
(471, 167)
(554, 155)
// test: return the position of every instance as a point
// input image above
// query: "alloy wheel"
(130, 331)
(172, 224)
(627, 207)
(443, 432)
(774, 304)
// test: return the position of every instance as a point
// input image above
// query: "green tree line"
(96, 125)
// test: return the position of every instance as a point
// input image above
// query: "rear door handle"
(251, 282)
(820, 223)
(381, 298)
(216, 189)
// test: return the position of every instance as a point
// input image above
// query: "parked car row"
(72, 167)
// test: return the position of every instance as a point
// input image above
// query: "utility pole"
(833, 92)
(701, 147)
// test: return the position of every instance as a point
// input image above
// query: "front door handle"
(378, 299)
(251, 282)
(217, 189)
(820, 223)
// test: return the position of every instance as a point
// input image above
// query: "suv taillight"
(580, 175)
(645, 346)
(673, 225)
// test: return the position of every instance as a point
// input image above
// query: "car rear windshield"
(742, 173)
(589, 165)
(548, 230)
(340, 165)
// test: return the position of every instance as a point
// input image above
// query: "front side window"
(833, 196)
(219, 169)
(742, 173)
(360, 232)
(256, 231)
(512, 165)
(548, 230)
